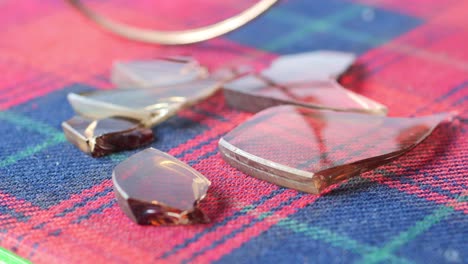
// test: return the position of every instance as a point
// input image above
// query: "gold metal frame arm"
(175, 37)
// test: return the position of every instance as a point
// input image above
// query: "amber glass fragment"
(309, 150)
(154, 188)
(254, 93)
(149, 106)
(156, 73)
(106, 136)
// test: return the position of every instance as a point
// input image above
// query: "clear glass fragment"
(156, 73)
(310, 150)
(154, 188)
(149, 106)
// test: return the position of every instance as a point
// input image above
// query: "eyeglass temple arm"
(175, 37)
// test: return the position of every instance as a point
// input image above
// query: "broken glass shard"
(308, 66)
(105, 136)
(254, 93)
(154, 188)
(149, 106)
(156, 73)
(310, 150)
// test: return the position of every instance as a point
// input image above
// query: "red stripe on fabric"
(24, 97)
(40, 216)
(20, 206)
(220, 127)
(426, 194)
(454, 15)
(30, 235)
(56, 253)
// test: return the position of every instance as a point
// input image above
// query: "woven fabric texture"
(57, 204)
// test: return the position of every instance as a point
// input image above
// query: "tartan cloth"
(57, 204)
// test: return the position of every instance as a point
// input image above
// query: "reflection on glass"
(253, 93)
(154, 188)
(309, 150)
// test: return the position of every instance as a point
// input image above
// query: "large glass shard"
(149, 106)
(106, 136)
(308, 66)
(156, 73)
(310, 150)
(154, 188)
(254, 93)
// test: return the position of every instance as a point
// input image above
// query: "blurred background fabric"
(57, 204)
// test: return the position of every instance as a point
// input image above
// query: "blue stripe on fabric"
(5, 210)
(92, 212)
(84, 202)
(444, 96)
(453, 91)
(202, 157)
(197, 147)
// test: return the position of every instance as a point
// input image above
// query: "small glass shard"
(156, 73)
(105, 136)
(308, 66)
(310, 150)
(254, 93)
(154, 188)
(149, 106)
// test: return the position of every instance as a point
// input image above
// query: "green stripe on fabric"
(52, 136)
(308, 25)
(333, 238)
(118, 157)
(408, 235)
(8, 257)
(28, 123)
(30, 150)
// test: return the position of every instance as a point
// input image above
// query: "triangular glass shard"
(154, 188)
(106, 136)
(156, 73)
(308, 66)
(309, 150)
(150, 106)
(254, 93)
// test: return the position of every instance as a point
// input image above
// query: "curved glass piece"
(176, 37)
(149, 106)
(102, 137)
(156, 73)
(154, 188)
(309, 150)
